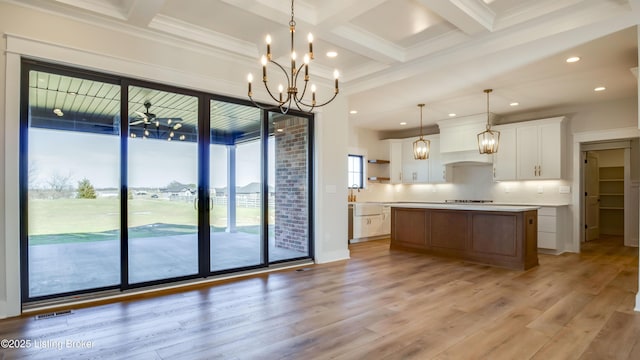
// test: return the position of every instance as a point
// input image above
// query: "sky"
(152, 163)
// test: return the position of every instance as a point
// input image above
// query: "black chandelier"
(284, 101)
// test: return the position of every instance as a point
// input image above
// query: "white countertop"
(483, 207)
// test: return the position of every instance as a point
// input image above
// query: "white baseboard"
(332, 256)
(637, 308)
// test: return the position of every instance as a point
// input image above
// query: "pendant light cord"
(487, 91)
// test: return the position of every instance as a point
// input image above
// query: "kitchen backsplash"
(472, 182)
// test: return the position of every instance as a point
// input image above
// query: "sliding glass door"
(127, 184)
(236, 186)
(162, 217)
(70, 181)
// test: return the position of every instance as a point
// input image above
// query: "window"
(356, 173)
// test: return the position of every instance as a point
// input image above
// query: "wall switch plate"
(564, 189)
(540, 189)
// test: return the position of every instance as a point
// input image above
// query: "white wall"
(136, 53)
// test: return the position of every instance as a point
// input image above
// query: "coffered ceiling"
(393, 54)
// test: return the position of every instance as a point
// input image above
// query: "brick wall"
(291, 191)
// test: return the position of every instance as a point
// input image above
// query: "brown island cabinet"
(498, 235)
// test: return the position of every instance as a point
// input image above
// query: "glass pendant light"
(488, 140)
(421, 146)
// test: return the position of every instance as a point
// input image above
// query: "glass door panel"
(162, 183)
(236, 186)
(288, 164)
(73, 209)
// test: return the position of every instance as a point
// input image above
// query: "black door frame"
(204, 101)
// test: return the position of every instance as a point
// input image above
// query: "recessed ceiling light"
(353, 112)
(403, 123)
(573, 59)
(515, 103)
(452, 115)
(332, 54)
(600, 88)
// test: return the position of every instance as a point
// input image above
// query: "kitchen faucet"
(352, 197)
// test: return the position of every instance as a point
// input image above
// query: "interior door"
(592, 197)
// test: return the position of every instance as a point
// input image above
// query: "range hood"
(459, 140)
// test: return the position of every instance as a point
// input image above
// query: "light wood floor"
(378, 305)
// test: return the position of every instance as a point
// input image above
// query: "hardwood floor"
(381, 304)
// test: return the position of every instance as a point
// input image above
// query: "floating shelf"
(378, 178)
(378, 161)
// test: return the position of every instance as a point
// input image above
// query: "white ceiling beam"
(367, 44)
(274, 9)
(141, 12)
(335, 12)
(635, 5)
(100, 7)
(189, 31)
(470, 16)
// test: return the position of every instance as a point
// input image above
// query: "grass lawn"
(82, 220)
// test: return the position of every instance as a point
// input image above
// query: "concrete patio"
(66, 267)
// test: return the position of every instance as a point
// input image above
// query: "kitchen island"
(497, 235)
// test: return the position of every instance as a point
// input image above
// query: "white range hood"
(459, 140)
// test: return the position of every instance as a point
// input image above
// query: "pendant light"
(488, 140)
(421, 146)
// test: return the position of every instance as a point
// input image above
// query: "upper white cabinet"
(539, 149)
(413, 171)
(404, 169)
(504, 161)
(437, 170)
(395, 161)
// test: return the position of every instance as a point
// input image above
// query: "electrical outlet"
(540, 189)
(564, 189)
(507, 188)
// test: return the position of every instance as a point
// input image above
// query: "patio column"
(231, 189)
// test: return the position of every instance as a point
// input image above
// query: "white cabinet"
(367, 226)
(437, 171)
(504, 161)
(371, 220)
(404, 169)
(539, 149)
(551, 227)
(386, 220)
(395, 161)
(413, 171)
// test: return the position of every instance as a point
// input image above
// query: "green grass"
(65, 216)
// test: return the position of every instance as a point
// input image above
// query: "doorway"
(609, 206)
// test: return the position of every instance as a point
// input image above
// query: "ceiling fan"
(145, 117)
(163, 126)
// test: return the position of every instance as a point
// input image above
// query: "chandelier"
(291, 95)
(421, 146)
(488, 140)
(154, 127)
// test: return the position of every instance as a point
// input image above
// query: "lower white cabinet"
(366, 226)
(551, 227)
(371, 221)
(386, 220)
